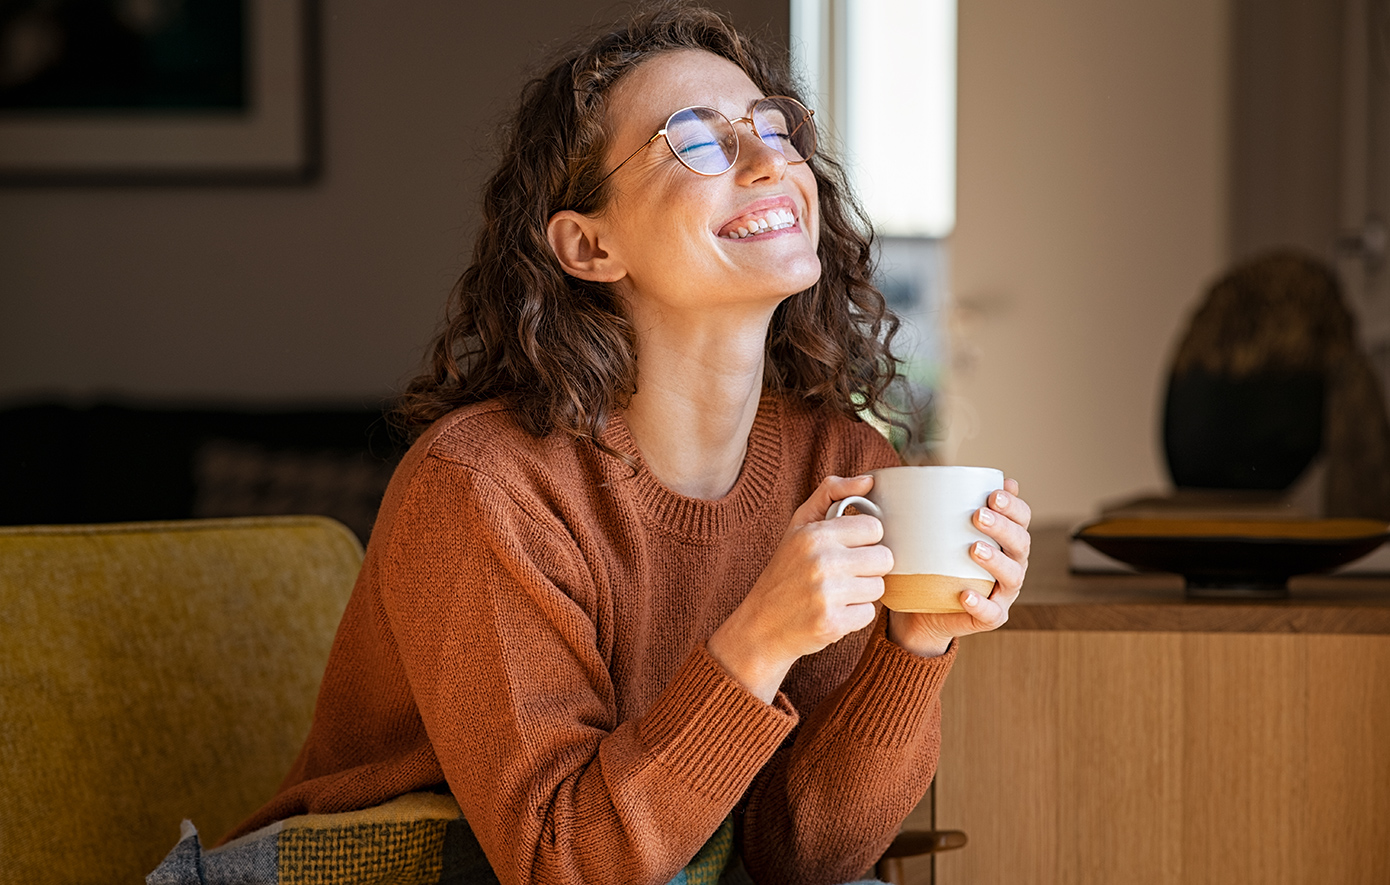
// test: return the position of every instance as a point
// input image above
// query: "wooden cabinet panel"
(1347, 818)
(1119, 739)
(1100, 757)
(1244, 782)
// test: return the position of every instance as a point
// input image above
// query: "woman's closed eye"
(778, 139)
(692, 151)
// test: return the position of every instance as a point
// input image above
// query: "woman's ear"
(574, 238)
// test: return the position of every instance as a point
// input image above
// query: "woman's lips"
(764, 216)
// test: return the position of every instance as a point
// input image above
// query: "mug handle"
(862, 503)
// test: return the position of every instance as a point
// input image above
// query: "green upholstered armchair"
(151, 672)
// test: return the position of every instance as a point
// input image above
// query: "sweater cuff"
(890, 695)
(711, 731)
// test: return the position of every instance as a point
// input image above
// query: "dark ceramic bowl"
(1244, 558)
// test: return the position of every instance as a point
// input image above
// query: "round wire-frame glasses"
(706, 142)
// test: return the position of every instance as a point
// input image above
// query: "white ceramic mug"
(927, 523)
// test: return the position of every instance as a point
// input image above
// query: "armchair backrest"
(151, 672)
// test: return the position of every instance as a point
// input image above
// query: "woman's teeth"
(777, 219)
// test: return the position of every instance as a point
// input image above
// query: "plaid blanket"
(415, 839)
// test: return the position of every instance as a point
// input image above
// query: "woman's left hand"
(1005, 519)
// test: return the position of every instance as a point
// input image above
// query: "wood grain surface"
(1159, 757)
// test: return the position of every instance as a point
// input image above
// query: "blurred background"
(226, 285)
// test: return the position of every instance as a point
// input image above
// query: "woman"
(600, 602)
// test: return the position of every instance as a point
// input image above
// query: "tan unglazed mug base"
(929, 593)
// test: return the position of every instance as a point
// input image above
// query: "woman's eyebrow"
(746, 108)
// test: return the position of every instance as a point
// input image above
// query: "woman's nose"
(758, 160)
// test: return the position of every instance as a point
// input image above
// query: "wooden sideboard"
(1115, 732)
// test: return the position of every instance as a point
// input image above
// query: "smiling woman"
(601, 606)
(560, 156)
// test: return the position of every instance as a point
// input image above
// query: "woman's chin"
(804, 275)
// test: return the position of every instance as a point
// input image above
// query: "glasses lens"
(785, 124)
(703, 139)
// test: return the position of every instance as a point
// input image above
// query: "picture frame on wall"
(159, 92)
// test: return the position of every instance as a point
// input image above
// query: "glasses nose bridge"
(752, 128)
(749, 120)
(757, 137)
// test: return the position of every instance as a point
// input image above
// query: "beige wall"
(1092, 211)
(326, 292)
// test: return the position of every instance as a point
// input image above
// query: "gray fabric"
(183, 864)
(245, 863)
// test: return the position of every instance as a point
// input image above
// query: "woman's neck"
(697, 395)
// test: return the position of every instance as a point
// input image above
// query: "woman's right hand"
(819, 586)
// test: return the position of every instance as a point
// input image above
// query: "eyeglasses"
(706, 143)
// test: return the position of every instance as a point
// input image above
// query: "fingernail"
(972, 599)
(1001, 499)
(986, 516)
(983, 550)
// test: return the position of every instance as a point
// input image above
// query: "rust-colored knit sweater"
(529, 625)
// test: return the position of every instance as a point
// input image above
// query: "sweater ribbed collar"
(694, 518)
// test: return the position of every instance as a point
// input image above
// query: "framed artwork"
(158, 92)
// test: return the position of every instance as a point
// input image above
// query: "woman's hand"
(820, 585)
(1005, 518)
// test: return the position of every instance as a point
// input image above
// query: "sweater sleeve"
(496, 618)
(827, 806)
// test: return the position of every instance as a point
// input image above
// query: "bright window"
(883, 75)
(882, 78)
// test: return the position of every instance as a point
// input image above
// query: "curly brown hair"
(557, 347)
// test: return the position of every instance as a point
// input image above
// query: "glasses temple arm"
(611, 172)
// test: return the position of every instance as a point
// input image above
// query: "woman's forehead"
(682, 78)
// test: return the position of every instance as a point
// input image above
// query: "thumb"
(831, 489)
